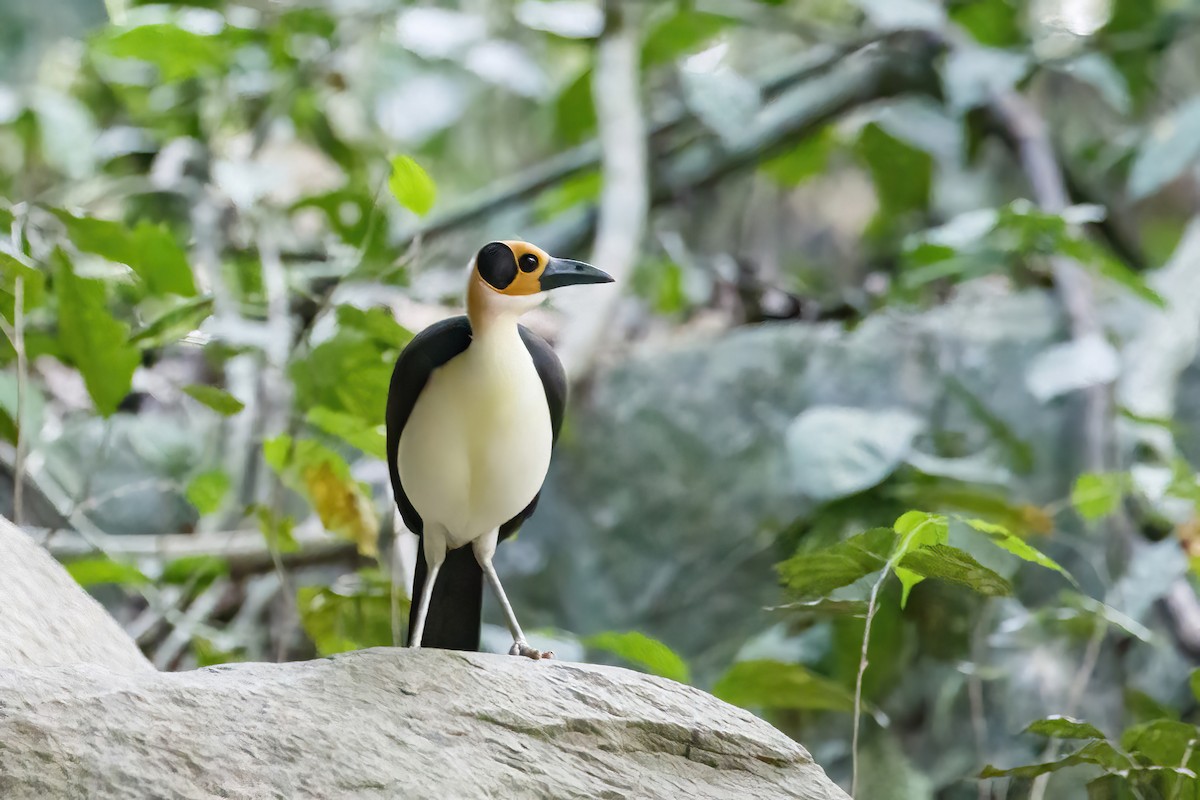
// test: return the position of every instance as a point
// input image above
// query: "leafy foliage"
(96, 571)
(194, 202)
(1096, 496)
(637, 648)
(1157, 756)
(810, 575)
(772, 684)
(149, 250)
(218, 400)
(208, 490)
(411, 185)
(323, 476)
(95, 343)
(353, 613)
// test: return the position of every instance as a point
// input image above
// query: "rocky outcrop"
(387, 723)
(47, 620)
(83, 715)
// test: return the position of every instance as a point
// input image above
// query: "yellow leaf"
(342, 506)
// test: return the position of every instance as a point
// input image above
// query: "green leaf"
(349, 372)
(218, 400)
(160, 262)
(175, 323)
(1092, 255)
(1095, 496)
(637, 648)
(569, 193)
(1164, 742)
(1019, 451)
(1059, 727)
(95, 571)
(807, 158)
(574, 110)
(982, 241)
(774, 684)
(1185, 484)
(995, 23)
(1111, 786)
(902, 174)
(917, 529)
(178, 54)
(1006, 540)
(208, 654)
(1195, 683)
(824, 607)
(816, 574)
(679, 34)
(198, 570)
(352, 614)
(350, 429)
(33, 413)
(149, 250)
(411, 185)
(1172, 147)
(207, 490)
(377, 323)
(951, 564)
(1093, 611)
(659, 281)
(838, 451)
(276, 529)
(91, 339)
(33, 284)
(1098, 752)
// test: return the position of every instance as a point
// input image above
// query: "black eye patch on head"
(496, 264)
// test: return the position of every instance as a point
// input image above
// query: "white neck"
(492, 314)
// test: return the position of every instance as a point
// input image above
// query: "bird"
(474, 409)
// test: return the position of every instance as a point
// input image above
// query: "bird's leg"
(485, 548)
(435, 554)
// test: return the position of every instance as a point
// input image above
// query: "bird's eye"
(528, 262)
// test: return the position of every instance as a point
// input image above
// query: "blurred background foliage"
(874, 256)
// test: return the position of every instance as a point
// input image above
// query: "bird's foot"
(522, 649)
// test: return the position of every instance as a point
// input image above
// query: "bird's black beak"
(565, 272)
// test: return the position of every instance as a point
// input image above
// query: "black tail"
(456, 607)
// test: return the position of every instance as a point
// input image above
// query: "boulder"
(386, 723)
(84, 715)
(46, 619)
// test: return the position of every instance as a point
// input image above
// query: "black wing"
(429, 349)
(554, 381)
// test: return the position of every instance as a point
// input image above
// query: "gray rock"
(46, 619)
(84, 715)
(387, 723)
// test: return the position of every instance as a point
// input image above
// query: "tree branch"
(625, 201)
(908, 54)
(1075, 289)
(246, 551)
(900, 64)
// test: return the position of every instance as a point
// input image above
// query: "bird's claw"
(523, 649)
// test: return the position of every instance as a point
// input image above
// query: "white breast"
(476, 448)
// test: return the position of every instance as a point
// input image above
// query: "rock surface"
(46, 619)
(387, 723)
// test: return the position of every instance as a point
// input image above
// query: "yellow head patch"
(512, 267)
